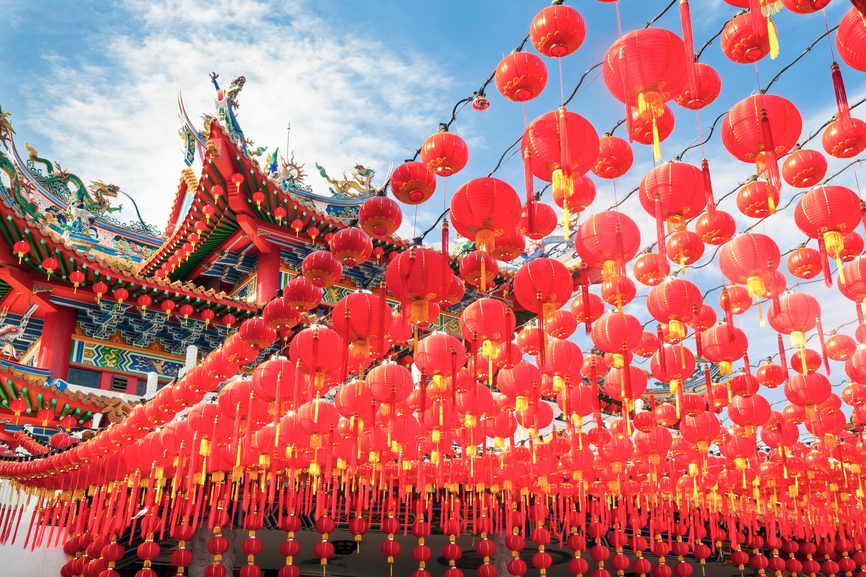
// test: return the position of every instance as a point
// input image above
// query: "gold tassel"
(771, 202)
(774, 40)
(657, 149)
(566, 232)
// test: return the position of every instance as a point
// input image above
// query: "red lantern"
(351, 246)
(649, 269)
(804, 263)
(540, 224)
(842, 140)
(724, 345)
(415, 279)
(648, 131)
(615, 157)
(207, 314)
(100, 289)
(608, 240)
(380, 216)
(21, 248)
(50, 264)
(751, 260)
(614, 332)
(805, 6)
(796, 314)
(674, 302)
(840, 347)
(229, 320)
(483, 209)
(761, 128)
(322, 269)
(581, 196)
(279, 214)
(557, 31)
(708, 86)
(851, 40)
(444, 153)
(646, 68)
(120, 294)
(685, 248)
(412, 183)
(361, 320)
(509, 246)
(757, 199)
(302, 294)
(543, 285)
(478, 269)
(521, 76)
(827, 213)
(804, 168)
(167, 306)
(744, 41)
(716, 229)
(852, 248)
(76, 278)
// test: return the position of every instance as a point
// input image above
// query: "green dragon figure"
(361, 185)
(15, 184)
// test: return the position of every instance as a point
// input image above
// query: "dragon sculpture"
(10, 332)
(360, 183)
(227, 102)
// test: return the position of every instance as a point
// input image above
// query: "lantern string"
(829, 40)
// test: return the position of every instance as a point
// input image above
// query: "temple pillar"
(268, 275)
(56, 346)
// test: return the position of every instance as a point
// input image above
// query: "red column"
(268, 275)
(56, 346)
(105, 380)
(131, 385)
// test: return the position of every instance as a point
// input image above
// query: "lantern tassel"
(657, 148)
(757, 17)
(709, 383)
(530, 185)
(584, 288)
(825, 262)
(565, 151)
(823, 347)
(782, 357)
(841, 96)
(686, 20)
(774, 39)
(768, 155)
(446, 265)
(708, 189)
(623, 72)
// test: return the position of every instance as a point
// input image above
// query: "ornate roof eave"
(45, 242)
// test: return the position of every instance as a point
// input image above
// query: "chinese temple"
(276, 384)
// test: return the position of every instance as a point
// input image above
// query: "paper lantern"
(804, 168)
(322, 269)
(444, 153)
(521, 76)
(380, 216)
(412, 183)
(743, 40)
(615, 157)
(351, 246)
(708, 86)
(557, 31)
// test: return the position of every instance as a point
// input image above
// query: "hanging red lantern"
(646, 68)
(804, 263)
(478, 269)
(716, 229)
(805, 6)
(708, 86)
(804, 168)
(615, 332)
(280, 214)
(796, 314)
(557, 31)
(852, 247)
(50, 265)
(278, 314)
(806, 361)
(76, 277)
(615, 157)
(540, 224)
(322, 269)
(586, 307)
(415, 279)
(557, 147)
(207, 314)
(744, 41)
(582, 195)
(21, 248)
(444, 153)
(844, 140)
(301, 294)
(751, 260)
(319, 351)
(770, 375)
(455, 292)
(361, 320)
(380, 216)
(483, 209)
(674, 302)
(618, 291)
(759, 129)
(120, 294)
(542, 286)
(757, 199)
(724, 345)
(647, 131)
(412, 183)
(684, 247)
(607, 240)
(229, 320)
(351, 246)
(521, 76)
(649, 269)
(827, 213)
(100, 288)
(840, 347)
(145, 301)
(851, 40)
(509, 246)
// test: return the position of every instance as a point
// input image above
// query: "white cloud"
(350, 97)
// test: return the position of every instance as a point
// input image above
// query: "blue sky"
(93, 84)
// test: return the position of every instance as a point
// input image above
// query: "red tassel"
(729, 316)
(661, 346)
(708, 189)
(825, 262)
(564, 148)
(383, 307)
(698, 344)
(863, 214)
(823, 347)
(584, 287)
(782, 358)
(759, 21)
(769, 153)
(660, 235)
(529, 184)
(746, 364)
(709, 384)
(686, 19)
(841, 97)
(446, 263)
